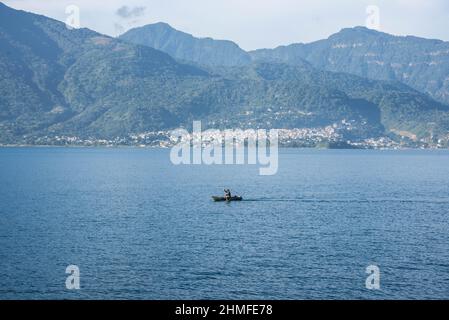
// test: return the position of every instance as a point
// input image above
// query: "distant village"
(334, 136)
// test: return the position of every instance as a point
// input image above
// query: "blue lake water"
(139, 227)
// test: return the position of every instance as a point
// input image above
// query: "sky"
(254, 24)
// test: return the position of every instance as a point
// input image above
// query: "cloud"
(126, 12)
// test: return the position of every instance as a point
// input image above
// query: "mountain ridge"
(422, 64)
(184, 46)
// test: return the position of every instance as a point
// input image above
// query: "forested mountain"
(183, 46)
(56, 81)
(422, 64)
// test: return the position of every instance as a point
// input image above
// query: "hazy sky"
(253, 23)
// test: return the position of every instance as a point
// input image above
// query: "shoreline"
(21, 146)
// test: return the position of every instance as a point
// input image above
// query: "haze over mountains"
(56, 81)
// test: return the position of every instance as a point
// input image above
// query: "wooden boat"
(234, 198)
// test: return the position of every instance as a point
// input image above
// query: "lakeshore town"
(334, 136)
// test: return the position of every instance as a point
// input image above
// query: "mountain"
(302, 96)
(183, 46)
(55, 81)
(422, 64)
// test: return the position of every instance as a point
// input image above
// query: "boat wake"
(443, 200)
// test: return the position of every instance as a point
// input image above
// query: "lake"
(139, 227)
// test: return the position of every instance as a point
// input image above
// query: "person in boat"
(227, 194)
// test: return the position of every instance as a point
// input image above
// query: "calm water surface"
(139, 227)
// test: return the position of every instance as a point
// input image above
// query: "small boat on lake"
(221, 199)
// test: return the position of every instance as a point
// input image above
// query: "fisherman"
(227, 194)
